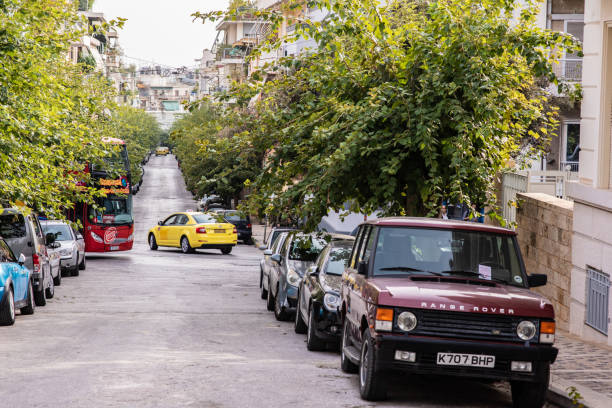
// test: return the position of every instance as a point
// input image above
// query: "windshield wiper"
(409, 269)
(475, 274)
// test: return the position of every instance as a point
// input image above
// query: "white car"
(71, 246)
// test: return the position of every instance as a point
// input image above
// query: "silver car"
(71, 246)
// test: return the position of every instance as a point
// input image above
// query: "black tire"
(372, 385)
(299, 325)
(531, 394)
(313, 342)
(39, 298)
(226, 251)
(7, 309)
(270, 300)
(280, 312)
(264, 292)
(185, 246)
(83, 264)
(152, 242)
(50, 291)
(345, 364)
(74, 271)
(31, 306)
(57, 281)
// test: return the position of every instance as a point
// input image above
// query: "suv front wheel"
(371, 382)
(531, 394)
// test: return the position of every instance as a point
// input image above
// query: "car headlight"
(407, 321)
(331, 301)
(526, 330)
(65, 252)
(293, 278)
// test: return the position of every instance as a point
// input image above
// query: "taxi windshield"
(209, 218)
(471, 254)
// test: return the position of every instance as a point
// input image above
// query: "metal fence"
(598, 300)
(512, 184)
(572, 166)
(569, 69)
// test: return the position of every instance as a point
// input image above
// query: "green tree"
(400, 107)
(140, 131)
(52, 116)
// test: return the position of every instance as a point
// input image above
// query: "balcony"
(571, 166)
(569, 69)
(231, 55)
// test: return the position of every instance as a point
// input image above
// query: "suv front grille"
(460, 325)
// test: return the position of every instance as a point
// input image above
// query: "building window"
(570, 153)
(597, 300)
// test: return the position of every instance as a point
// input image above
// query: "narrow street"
(163, 329)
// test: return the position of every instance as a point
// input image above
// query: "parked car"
(242, 222)
(16, 290)
(24, 235)
(429, 296)
(269, 240)
(319, 296)
(266, 264)
(192, 230)
(298, 252)
(70, 246)
(208, 199)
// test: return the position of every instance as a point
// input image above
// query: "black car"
(242, 222)
(319, 296)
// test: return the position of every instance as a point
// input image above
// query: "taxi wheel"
(185, 247)
(226, 251)
(7, 310)
(152, 242)
(31, 306)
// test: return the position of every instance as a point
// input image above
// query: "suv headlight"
(331, 301)
(293, 278)
(407, 321)
(526, 330)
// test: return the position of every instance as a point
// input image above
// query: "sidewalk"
(585, 366)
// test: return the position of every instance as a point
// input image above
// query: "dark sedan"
(242, 222)
(319, 296)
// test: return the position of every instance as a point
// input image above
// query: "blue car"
(16, 291)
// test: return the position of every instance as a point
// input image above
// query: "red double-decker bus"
(110, 227)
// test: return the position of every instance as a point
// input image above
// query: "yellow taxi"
(192, 230)
(162, 151)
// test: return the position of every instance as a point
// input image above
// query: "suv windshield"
(306, 248)
(209, 218)
(116, 210)
(61, 232)
(488, 256)
(12, 226)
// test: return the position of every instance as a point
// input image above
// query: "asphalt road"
(163, 329)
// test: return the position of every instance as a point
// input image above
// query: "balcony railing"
(569, 69)
(231, 53)
(571, 166)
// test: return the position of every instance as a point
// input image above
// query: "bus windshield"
(116, 211)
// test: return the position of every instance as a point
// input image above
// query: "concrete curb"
(558, 395)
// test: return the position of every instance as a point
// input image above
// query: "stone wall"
(544, 227)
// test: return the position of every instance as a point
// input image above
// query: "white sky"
(162, 30)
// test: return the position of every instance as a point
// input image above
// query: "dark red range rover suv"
(432, 296)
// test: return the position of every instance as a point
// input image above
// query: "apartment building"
(592, 195)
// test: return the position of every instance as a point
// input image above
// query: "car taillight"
(201, 230)
(235, 230)
(36, 262)
(249, 226)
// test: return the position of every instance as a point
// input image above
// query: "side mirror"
(49, 238)
(362, 268)
(263, 247)
(536, 280)
(80, 236)
(268, 252)
(277, 258)
(313, 271)
(22, 259)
